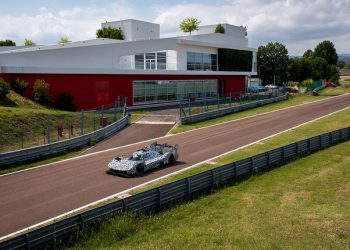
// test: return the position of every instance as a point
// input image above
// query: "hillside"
(26, 123)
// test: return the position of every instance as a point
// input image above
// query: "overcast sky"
(299, 24)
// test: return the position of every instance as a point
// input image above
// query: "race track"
(29, 197)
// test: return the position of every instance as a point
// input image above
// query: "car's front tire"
(140, 170)
(172, 159)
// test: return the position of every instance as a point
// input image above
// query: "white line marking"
(168, 135)
(149, 122)
(158, 179)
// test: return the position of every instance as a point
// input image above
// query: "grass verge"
(302, 205)
(292, 101)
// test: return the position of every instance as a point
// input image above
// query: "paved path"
(168, 116)
(36, 195)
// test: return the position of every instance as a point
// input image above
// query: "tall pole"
(115, 110)
(82, 122)
(48, 129)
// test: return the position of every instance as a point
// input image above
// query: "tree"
(19, 86)
(4, 88)
(327, 51)
(189, 24)
(110, 33)
(65, 101)
(273, 62)
(28, 42)
(219, 28)
(319, 68)
(41, 92)
(7, 43)
(308, 54)
(299, 69)
(64, 40)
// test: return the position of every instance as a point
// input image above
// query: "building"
(144, 67)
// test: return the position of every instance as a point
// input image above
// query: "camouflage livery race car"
(143, 160)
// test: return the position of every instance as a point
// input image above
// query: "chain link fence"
(64, 125)
(204, 105)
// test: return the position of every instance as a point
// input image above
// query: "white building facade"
(186, 65)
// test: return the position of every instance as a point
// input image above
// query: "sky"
(298, 24)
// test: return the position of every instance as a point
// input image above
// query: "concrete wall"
(134, 30)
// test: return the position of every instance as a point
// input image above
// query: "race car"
(143, 160)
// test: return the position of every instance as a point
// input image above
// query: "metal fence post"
(115, 111)
(48, 129)
(82, 122)
(212, 179)
(159, 198)
(188, 188)
(252, 171)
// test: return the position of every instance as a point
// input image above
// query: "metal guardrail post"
(159, 198)
(188, 188)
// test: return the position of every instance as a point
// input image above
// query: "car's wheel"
(172, 159)
(140, 169)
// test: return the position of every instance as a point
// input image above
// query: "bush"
(41, 92)
(65, 101)
(110, 33)
(19, 86)
(4, 88)
(219, 29)
(306, 83)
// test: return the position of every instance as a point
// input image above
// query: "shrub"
(41, 92)
(219, 29)
(19, 86)
(65, 101)
(306, 83)
(4, 88)
(110, 33)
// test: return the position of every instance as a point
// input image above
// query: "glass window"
(150, 56)
(139, 61)
(160, 91)
(201, 61)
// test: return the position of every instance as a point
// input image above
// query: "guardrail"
(29, 154)
(166, 195)
(224, 111)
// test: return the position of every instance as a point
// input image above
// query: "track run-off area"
(32, 196)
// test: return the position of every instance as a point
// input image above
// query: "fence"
(63, 126)
(166, 195)
(28, 154)
(228, 110)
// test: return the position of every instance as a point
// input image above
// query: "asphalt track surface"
(133, 133)
(33, 196)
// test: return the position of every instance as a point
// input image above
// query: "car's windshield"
(135, 157)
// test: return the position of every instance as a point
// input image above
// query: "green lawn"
(302, 205)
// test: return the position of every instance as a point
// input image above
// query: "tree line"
(275, 65)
